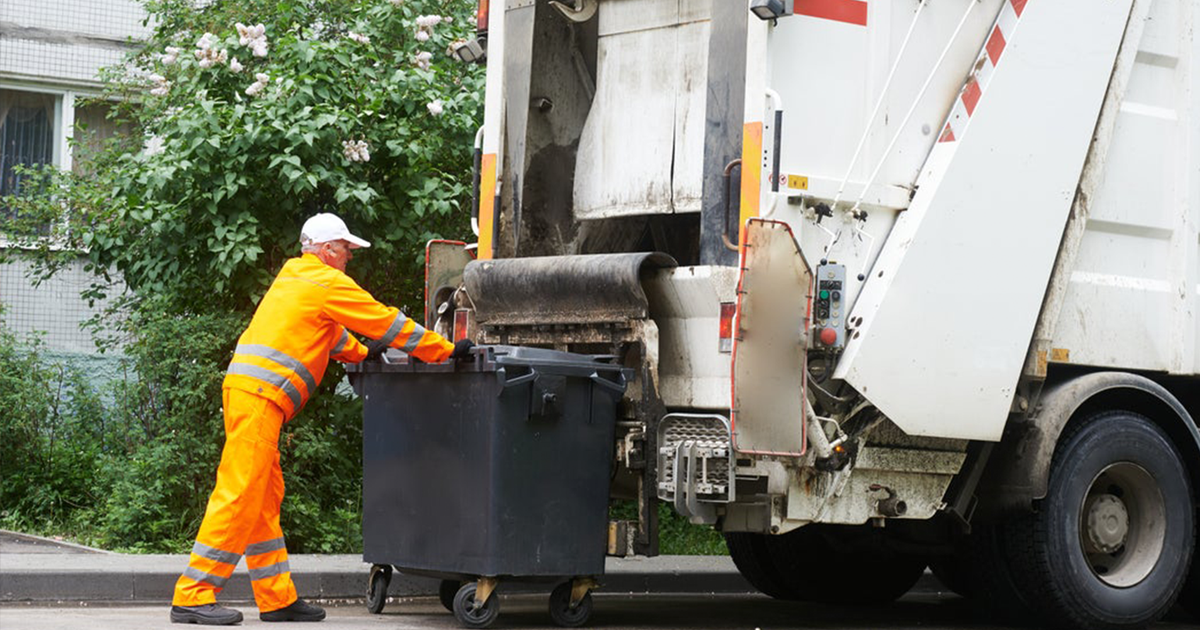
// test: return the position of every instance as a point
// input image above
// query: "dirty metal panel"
(650, 86)
(1132, 299)
(770, 349)
(724, 112)
(688, 167)
(813, 498)
(444, 264)
(600, 288)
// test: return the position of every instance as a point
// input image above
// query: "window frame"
(64, 130)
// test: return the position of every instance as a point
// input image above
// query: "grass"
(676, 536)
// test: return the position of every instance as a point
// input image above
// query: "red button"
(828, 336)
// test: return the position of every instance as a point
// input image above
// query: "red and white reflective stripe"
(848, 11)
(985, 66)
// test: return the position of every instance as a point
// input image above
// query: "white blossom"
(235, 66)
(171, 56)
(422, 60)
(397, 3)
(253, 36)
(247, 34)
(358, 37)
(435, 107)
(356, 150)
(161, 85)
(425, 24)
(260, 82)
(208, 55)
(206, 41)
(153, 146)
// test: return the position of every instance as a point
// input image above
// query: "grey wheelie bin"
(491, 469)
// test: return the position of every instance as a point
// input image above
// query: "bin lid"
(488, 358)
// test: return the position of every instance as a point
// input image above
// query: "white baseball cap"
(325, 227)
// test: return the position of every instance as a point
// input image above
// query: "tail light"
(461, 324)
(726, 328)
(481, 16)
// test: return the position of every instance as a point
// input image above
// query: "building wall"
(51, 54)
(54, 308)
(65, 42)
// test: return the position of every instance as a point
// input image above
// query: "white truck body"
(1002, 195)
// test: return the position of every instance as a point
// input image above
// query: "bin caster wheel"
(561, 611)
(446, 592)
(469, 613)
(377, 585)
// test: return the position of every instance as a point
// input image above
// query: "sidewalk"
(40, 571)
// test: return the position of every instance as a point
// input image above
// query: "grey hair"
(310, 247)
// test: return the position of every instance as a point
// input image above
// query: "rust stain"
(1060, 355)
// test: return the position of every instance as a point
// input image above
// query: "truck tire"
(753, 560)
(1109, 546)
(985, 574)
(1189, 599)
(843, 565)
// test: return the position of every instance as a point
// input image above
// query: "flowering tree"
(258, 114)
(248, 116)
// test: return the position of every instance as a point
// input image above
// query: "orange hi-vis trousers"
(243, 511)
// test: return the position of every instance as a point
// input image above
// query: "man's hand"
(375, 349)
(462, 349)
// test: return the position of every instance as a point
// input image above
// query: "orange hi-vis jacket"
(302, 323)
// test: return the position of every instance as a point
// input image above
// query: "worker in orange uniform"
(301, 323)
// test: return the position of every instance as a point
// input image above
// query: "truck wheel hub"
(1107, 523)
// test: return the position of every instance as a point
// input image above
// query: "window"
(27, 135)
(92, 129)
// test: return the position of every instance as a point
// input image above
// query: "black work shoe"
(300, 610)
(206, 615)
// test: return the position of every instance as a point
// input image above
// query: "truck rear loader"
(901, 283)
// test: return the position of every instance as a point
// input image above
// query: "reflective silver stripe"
(200, 576)
(271, 378)
(212, 553)
(414, 338)
(393, 330)
(275, 544)
(293, 364)
(340, 346)
(269, 570)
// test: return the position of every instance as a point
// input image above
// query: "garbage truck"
(901, 284)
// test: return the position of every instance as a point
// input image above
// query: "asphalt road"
(924, 611)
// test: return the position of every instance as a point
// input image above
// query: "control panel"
(829, 317)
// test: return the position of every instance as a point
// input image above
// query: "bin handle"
(616, 387)
(520, 380)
